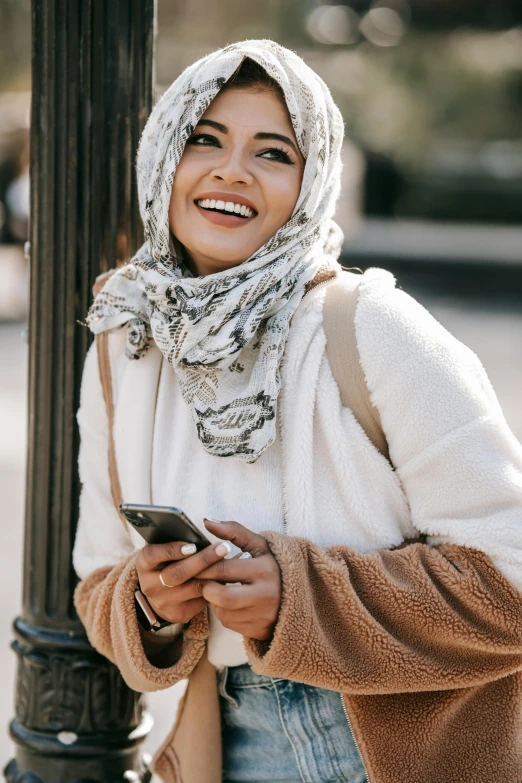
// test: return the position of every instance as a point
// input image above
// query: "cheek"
(282, 198)
(185, 180)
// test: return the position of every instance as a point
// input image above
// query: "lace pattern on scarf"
(225, 333)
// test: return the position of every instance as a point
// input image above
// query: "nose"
(233, 169)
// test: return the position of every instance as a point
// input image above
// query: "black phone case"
(161, 525)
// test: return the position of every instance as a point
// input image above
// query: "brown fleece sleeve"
(105, 604)
(414, 619)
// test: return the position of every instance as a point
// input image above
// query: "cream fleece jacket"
(423, 641)
(458, 467)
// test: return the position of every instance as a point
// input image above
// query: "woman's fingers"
(172, 597)
(236, 570)
(175, 574)
(229, 597)
(252, 606)
(156, 555)
(188, 610)
(178, 605)
(179, 612)
(191, 580)
(248, 609)
(239, 535)
(152, 587)
(181, 567)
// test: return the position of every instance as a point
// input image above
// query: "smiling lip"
(228, 197)
(226, 219)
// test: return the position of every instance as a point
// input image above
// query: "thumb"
(241, 536)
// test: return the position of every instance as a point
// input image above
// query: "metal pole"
(92, 71)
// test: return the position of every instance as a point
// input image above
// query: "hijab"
(225, 333)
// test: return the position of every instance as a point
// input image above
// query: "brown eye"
(278, 154)
(203, 140)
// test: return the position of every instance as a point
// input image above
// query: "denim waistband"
(244, 675)
(276, 730)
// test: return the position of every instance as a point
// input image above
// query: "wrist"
(147, 617)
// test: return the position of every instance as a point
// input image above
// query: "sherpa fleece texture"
(414, 619)
(105, 603)
(457, 479)
(426, 646)
(458, 467)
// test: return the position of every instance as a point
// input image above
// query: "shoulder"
(398, 336)
(388, 323)
(420, 377)
(386, 310)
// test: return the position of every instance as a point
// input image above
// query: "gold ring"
(162, 582)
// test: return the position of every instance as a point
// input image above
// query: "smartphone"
(163, 524)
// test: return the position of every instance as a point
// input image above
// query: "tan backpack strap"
(104, 368)
(102, 347)
(341, 348)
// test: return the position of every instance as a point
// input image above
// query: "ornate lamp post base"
(126, 768)
(73, 712)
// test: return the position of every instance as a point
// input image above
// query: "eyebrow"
(259, 136)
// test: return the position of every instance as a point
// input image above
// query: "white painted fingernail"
(223, 549)
(210, 519)
(245, 556)
(188, 549)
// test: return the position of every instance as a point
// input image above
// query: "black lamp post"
(92, 77)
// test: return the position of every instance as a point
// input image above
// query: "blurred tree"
(448, 14)
(447, 71)
(15, 44)
(198, 26)
(432, 88)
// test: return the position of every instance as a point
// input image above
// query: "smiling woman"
(233, 178)
(217, 293)
(363, 621)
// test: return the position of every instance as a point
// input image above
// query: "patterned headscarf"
(225, 333)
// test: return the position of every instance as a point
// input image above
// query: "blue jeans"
(277, 730)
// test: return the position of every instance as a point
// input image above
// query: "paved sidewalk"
(495, 335)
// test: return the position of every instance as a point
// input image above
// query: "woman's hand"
(250, 608)
(178, 566)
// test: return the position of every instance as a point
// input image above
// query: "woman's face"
(242, 156)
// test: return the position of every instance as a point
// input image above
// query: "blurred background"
(431, 93)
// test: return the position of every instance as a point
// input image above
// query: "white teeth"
(228, 206)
